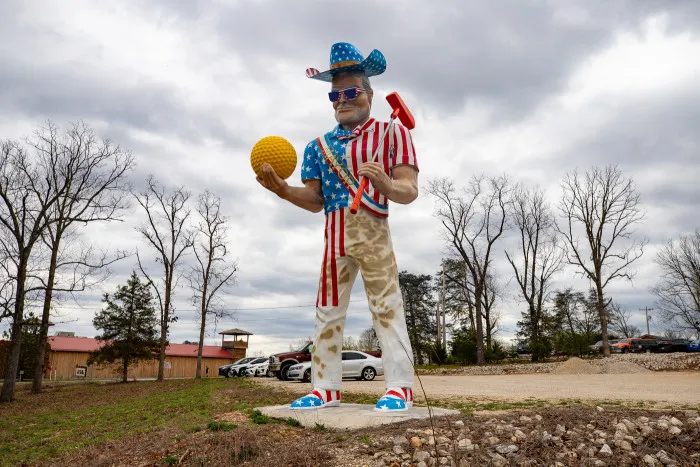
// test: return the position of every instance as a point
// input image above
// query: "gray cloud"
(511, 54)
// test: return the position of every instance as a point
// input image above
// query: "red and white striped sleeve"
(404, 151)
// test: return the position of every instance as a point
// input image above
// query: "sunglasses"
(349, 93)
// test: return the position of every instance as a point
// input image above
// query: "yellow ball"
(276, 151)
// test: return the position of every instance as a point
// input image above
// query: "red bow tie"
(355, 133)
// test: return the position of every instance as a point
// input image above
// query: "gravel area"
(555, 437)
(673, 388)
(641, 377)
(613, 364)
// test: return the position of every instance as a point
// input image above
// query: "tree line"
(592, 228)
(52, 185)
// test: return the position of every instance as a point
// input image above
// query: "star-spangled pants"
(359, 242)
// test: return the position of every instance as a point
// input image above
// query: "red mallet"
(406, 118)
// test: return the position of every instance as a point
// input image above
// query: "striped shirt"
(352, 148)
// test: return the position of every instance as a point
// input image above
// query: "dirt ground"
(671, 387)
(211, 423)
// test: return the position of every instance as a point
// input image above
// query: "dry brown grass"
(189, 423)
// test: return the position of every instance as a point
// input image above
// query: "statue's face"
(351, 112)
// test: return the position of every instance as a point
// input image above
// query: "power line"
(311, 305)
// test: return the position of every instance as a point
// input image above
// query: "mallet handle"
(365, 181)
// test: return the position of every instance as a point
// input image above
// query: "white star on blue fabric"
(315, 166)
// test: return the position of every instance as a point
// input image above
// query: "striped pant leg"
(377, 263)
(392, 332)
(338, 274)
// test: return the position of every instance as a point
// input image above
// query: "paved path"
(671, 387)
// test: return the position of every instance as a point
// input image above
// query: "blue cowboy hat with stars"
(347, 57)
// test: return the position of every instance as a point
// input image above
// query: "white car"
(233, 369)
(258, 369)
(356, 364)
(242, 368)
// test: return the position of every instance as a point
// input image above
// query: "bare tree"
(349, 343)
(94, 176)
(213, 272)
(473, 222)
(539, 257)
(167, 233)
(7, 286)
(491, 315)
(619, 321)
(28, 189)
(368, 340)
(605, 205)
(678, 290)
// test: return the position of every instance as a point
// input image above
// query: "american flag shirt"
(352, 148)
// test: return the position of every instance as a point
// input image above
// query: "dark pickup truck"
(280, 362)
(644, 346)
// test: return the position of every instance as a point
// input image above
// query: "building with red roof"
(68, 357)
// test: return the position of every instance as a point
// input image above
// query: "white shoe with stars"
(317, 399)
(395, 400)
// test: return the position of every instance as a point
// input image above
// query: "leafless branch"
(678, 288)
(605, 207)
(213, 271)
(472, 223)
(166, 231)
(538, 254)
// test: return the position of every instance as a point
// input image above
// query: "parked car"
(356, 364)
(623, 345)
(644, 345)
(239, 369)
(258, 369)
(243, 369)
(598, 346)
(679, 345)
(280, 363)
(228, 370)
(694, 346)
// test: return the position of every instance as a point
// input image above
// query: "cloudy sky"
(532, 89)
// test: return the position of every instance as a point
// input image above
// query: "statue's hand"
(379, 179)
(272, 181)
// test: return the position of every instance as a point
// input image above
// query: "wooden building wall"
(62, 365)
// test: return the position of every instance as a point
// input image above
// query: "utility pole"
(444, 311)
(646, 313)
(437, 321)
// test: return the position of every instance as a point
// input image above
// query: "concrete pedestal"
(351, 416)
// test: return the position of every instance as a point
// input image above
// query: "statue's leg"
(338, 273)
(375, 255)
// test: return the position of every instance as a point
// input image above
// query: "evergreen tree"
(129, 326)
(30, 347)
(419, 305)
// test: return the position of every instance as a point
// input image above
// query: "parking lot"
(628, 387)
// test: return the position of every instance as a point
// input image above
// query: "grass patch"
(359, 398)
(259, 418)
(32, 431)
(292, 422)
(338, 438)
(220, 426)
(171, 460)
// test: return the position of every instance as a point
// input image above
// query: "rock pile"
(616, 364)
(576, 366)
(620, 368)
(530, 439)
